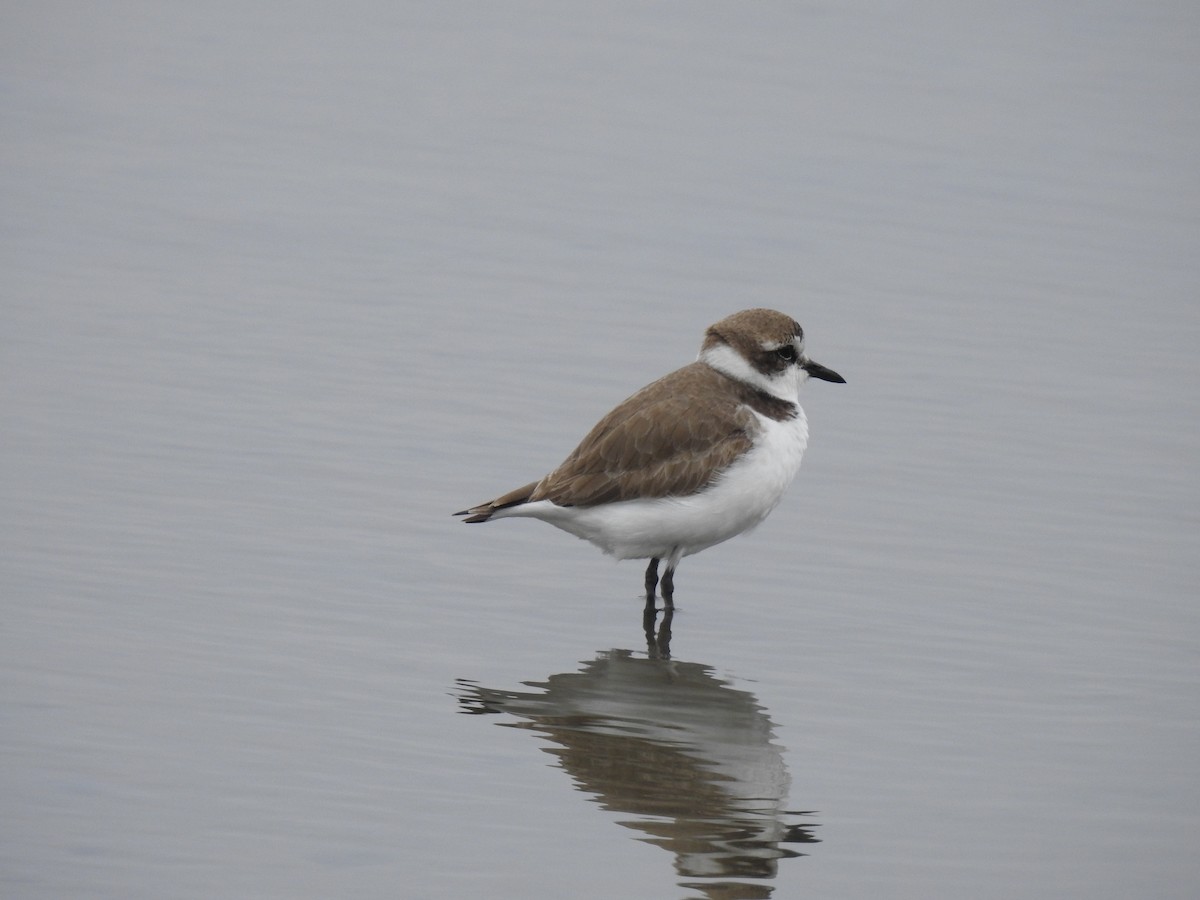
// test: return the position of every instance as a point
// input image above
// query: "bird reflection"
(690, 760)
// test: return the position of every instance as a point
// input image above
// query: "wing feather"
(667, 440)
(670, 439)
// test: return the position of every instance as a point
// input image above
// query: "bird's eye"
(787, 353)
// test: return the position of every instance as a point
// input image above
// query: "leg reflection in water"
(658, 639)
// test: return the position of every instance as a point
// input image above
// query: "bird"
(689, 461)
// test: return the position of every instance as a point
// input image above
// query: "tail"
(485, 511)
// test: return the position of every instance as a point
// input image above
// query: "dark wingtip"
(473, 515)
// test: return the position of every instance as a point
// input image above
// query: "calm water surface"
(283, 289)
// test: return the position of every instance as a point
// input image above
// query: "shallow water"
(282, 290)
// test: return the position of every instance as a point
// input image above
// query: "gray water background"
(284, 285)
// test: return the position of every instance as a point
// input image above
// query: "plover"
(689, 461)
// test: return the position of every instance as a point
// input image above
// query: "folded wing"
(670, 446)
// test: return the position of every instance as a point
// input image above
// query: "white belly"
(673, 527)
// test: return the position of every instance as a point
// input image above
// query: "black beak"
(816, 370)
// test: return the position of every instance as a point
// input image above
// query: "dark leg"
(651, 581)
(668, 588)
